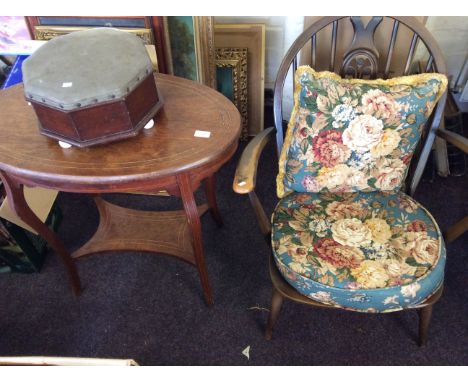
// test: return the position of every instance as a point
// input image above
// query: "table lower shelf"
(124, 229)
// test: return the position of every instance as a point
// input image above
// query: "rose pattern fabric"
(354, 135)
(329, 149)
(367, 251)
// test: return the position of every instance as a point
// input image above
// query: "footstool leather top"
(85, 68)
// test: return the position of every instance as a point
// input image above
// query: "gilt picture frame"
(42, 32)
(252, 37)
(232, 80)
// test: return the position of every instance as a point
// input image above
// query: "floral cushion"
(354, 135)
(364, 251)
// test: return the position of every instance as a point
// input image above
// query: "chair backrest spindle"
(294, 65)
(391, 47)
(429, 65)
(333, 48)
(412, 49)
(313, 47)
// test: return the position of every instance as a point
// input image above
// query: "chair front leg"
(424, 321)
(276, 302)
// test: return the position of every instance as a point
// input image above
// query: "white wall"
(280, 32)
(451, 33)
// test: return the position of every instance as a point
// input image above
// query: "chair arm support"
(455, 139)
(246, 174)
(246, 171)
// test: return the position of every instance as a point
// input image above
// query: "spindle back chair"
(361, 59)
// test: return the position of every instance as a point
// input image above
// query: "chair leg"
(424, 321)
(276, 302)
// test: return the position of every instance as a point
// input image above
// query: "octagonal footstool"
(91, 87)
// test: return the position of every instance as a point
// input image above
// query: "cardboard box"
(21, 248)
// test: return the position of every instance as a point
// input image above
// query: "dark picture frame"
(190, 48)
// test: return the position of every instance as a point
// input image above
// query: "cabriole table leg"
(193, 219)
(18, 203)
(210, 189)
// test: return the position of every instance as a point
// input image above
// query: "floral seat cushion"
(354, 135)
(364, 251)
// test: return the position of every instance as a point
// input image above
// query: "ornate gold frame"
(236, 58)
(45, 32)
(252, 37)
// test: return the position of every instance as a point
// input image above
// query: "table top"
(168, 148)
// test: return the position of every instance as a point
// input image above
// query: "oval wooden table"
(167, 157)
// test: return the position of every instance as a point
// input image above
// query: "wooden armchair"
(361, 59)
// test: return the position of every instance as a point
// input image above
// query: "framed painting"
(232, 80)
(190, 48)
(46, 33)
(252, 37)
(149, 28)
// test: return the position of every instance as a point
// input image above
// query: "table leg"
(210, 190)
(193, 219)
(18, 203)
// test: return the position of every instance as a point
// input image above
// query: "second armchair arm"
(455, 139)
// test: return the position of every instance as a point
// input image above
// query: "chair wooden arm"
(460, 142)
(246, 172)
(455, 139)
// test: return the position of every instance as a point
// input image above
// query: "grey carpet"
(151, 308)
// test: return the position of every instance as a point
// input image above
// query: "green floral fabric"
(367, 251)
(354, 135)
